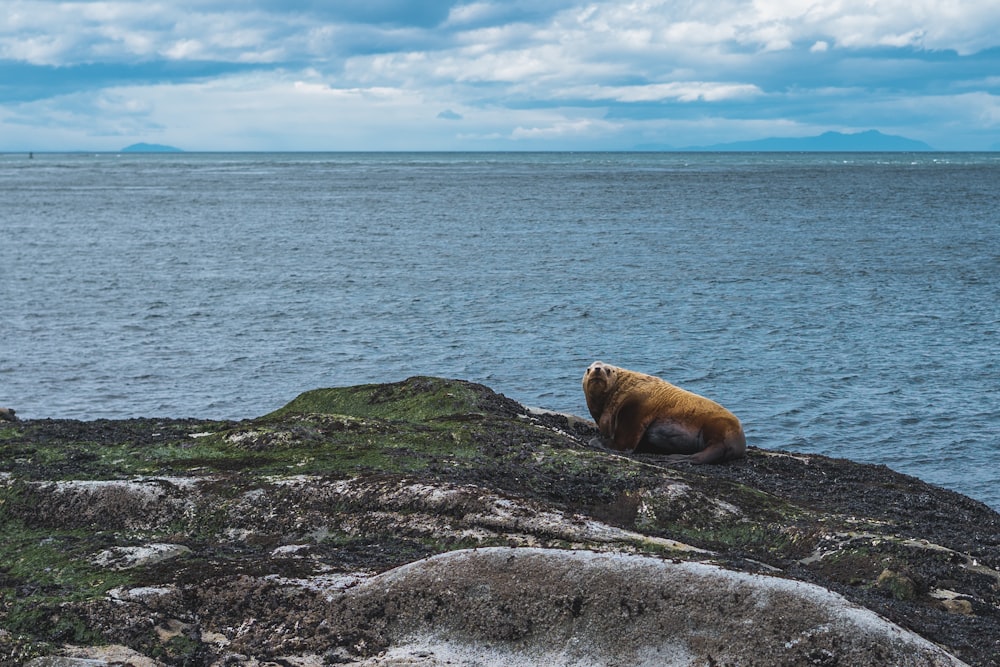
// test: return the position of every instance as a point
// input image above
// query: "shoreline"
(202, 525)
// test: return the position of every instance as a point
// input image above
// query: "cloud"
(448, 114)
(607, 72)
(563, 128)
(392, 13)
(51, 32)
(683, 91)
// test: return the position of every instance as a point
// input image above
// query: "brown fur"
(635, 411)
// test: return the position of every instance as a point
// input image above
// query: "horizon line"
(692, 151)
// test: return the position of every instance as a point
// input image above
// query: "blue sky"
(493, 75)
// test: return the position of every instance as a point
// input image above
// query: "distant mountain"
(872, 140)
(150, 148)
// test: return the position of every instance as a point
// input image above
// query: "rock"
(124, 558)
(958, 606)
(98, 656)
(898, 585)
(7, 415)
(60, 661)
(434, 520)
(505, 606)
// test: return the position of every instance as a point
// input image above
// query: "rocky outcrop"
(434, 522)
(525, 606)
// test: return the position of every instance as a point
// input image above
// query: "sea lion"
(639, 412)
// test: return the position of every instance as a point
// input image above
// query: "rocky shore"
(434, 522)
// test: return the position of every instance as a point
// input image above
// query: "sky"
(397, 75)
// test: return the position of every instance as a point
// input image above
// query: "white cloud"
(185, 49)
(780, 24)
(473, 12)
(82, 32)
(511, 66)
(514, 70)
(138, 43)
(562, 128)
(73, 32)
(683, 91)
(37, 50)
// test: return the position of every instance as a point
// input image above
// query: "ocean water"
(844, 304)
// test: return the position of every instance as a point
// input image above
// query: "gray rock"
(500, 606)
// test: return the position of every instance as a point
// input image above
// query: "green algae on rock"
(193, 542)
(419, 399)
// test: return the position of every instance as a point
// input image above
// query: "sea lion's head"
(598, 382)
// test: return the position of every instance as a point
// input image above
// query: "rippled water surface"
(846, 304)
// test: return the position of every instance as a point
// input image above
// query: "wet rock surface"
(315, 535)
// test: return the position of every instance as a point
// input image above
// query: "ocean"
(842, 304)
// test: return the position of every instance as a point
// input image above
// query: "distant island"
(150, 148)
(870, 141)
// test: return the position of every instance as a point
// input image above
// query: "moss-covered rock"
(193, 541)
(418, 400)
